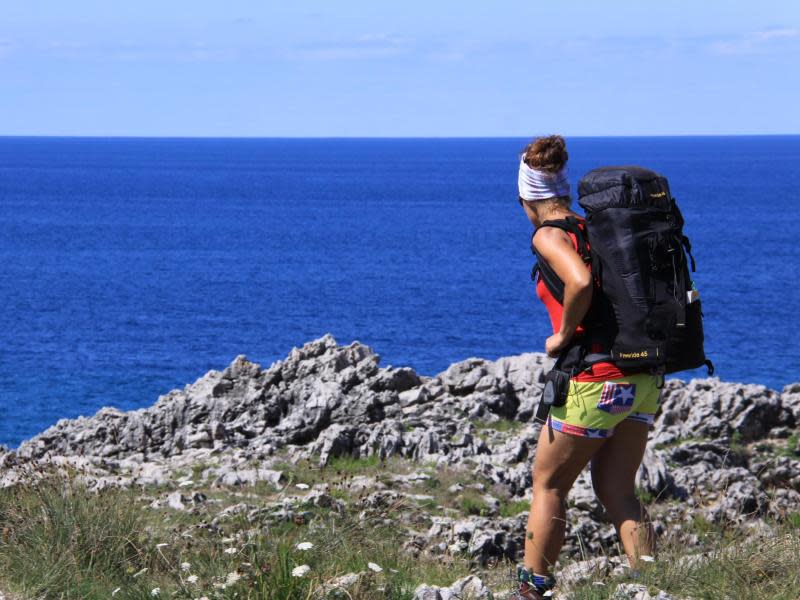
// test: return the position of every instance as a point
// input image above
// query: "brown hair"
(546, 153)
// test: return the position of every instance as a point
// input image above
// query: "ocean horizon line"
(403, 137)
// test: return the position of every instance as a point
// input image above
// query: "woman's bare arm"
(556, 248)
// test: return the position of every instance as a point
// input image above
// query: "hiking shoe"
(531, 586)
(527, 592)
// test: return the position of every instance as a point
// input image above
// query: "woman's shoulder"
(545, 237)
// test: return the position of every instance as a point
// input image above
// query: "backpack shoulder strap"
(551, 280)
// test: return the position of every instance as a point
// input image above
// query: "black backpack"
(645, 314)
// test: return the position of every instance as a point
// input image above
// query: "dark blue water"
(133, 266)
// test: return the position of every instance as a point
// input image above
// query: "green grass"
(738, 445)
(63, 541)
(302, 471)
(792, 447)
(512, 508)
(470, 502)
(701, 526)
(197, 470)
(431, 484)
(60, 540)
(504, 425)
(354, 466)
(305, 471)
(735, 567)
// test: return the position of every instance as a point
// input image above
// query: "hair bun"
(547, 153)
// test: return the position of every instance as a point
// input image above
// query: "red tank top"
(598, 372)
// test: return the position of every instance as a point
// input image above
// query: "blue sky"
(413, 68)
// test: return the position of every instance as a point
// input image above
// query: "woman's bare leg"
(613, 478)
(560, 458)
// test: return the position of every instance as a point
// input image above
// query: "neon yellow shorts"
(594, 409)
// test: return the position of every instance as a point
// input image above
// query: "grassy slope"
(61, 541)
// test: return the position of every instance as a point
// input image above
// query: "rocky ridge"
(726, 451)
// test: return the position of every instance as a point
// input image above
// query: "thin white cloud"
(65, 45)
(755, 42)
(381, 39)
(448, 56)
(772, 34)
(132, 51)
(380, 46)
(362, 47)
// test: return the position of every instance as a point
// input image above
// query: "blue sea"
(132, 266)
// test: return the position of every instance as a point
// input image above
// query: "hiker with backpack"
(616, 288)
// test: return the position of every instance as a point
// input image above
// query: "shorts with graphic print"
(594, 408)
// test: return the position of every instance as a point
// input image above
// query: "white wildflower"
(232, 578)
(302, 486)
(645, 558)
(230, 551)
(373, 567)
(300, 571)
(192, 578)
(114, 593)
(155, 591)
(185, 566)
(142, 572)
(304, 546)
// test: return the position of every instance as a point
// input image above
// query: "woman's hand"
(555, 344)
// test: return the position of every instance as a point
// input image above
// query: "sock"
(542, 583)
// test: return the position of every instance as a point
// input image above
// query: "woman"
(607, 413)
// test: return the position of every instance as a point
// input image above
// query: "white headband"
(540, 185)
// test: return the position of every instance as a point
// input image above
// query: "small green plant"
(302, 471)
(431, 506)
(764, 447)
(353, 465)
(431, 466)
(792, 448)
(738, 446)
(644, 496)
(432, 483)
(197, 470)
(514, 507)
(700, 525)
(471, 503)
